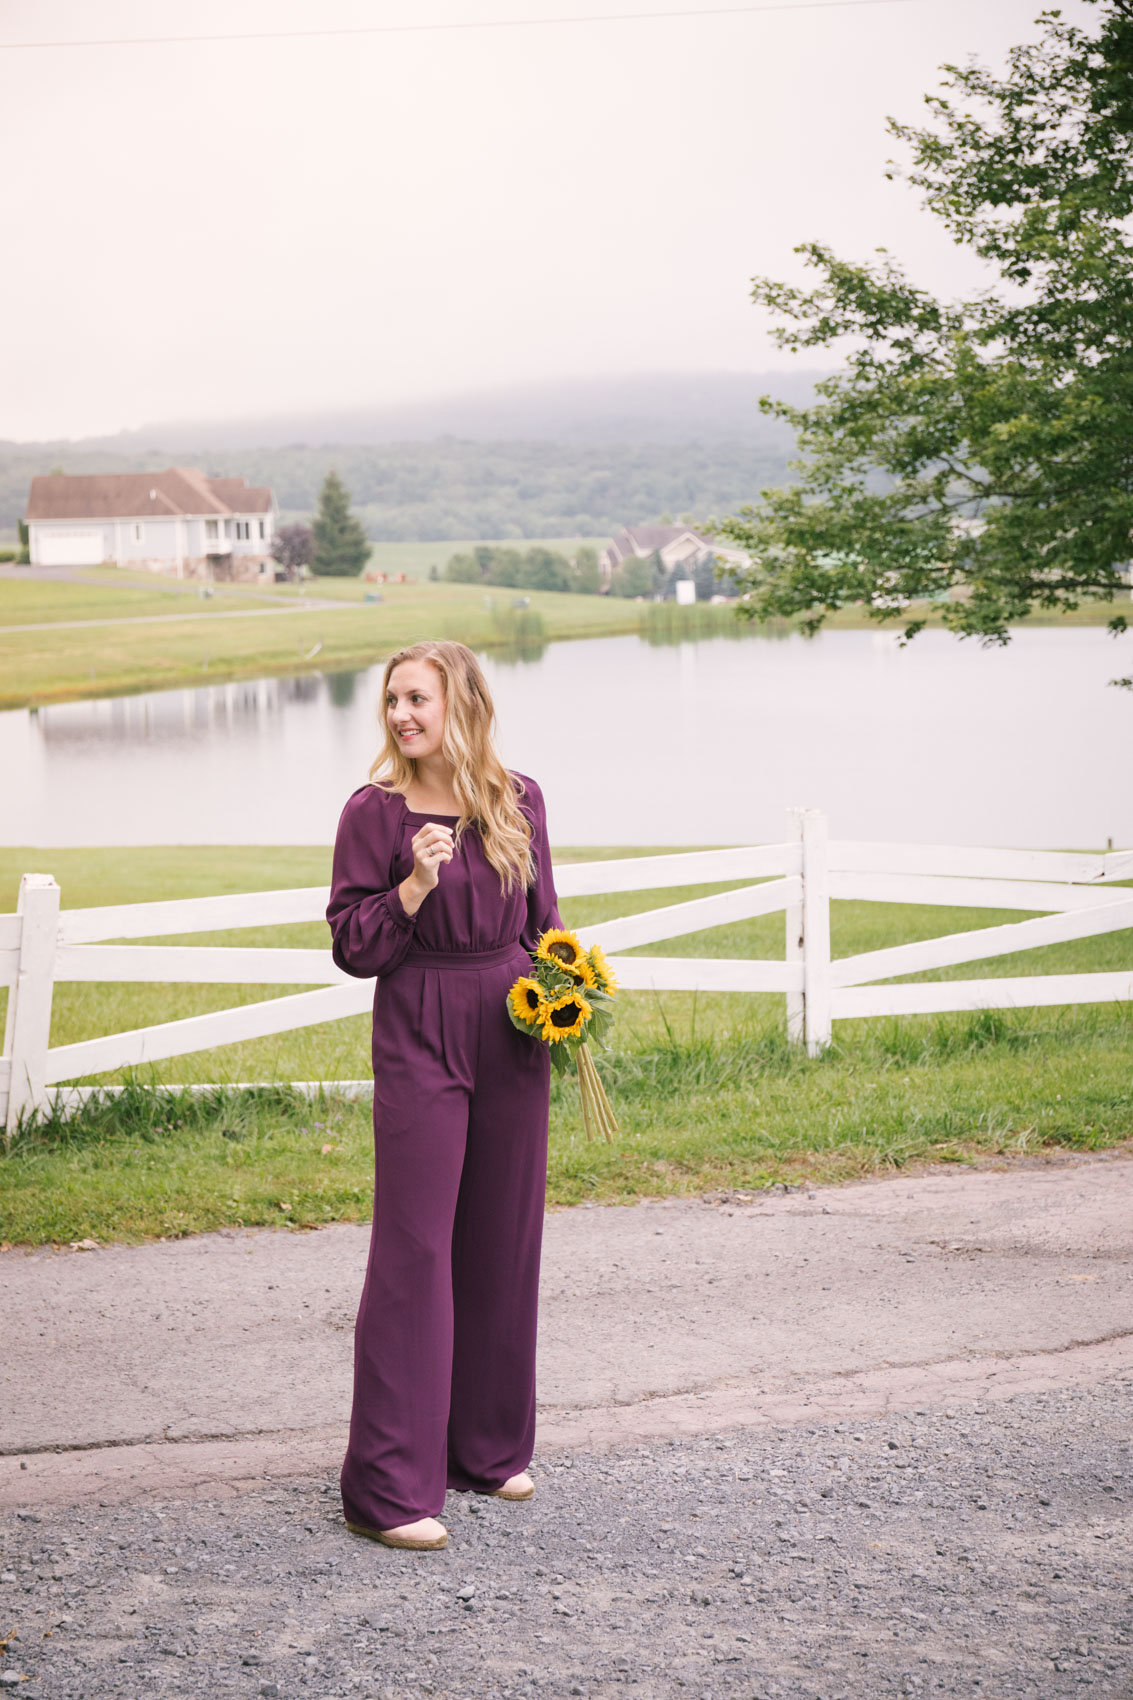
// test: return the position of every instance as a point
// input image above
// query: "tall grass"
(707, 1091)
(700, 1108)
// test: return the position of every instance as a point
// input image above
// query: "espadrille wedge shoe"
(516, 1487)
(426, 1535)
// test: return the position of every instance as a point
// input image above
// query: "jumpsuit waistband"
(462, 958)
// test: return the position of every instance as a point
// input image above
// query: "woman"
(441, 885)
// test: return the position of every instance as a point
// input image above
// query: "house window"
(263, 533)
(137, 532)
(211, 530)
(243, 530)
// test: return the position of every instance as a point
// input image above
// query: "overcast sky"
(225, 228)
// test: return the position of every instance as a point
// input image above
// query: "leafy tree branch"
(977, 452)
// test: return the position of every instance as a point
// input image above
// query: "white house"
(176, 522)
(676, 545)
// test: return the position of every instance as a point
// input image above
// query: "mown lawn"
(707, 1091)
(99, 597)
(40, 666)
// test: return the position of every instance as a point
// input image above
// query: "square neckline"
(419, 814)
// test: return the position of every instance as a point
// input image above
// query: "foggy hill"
(654, 408)
(540, 460)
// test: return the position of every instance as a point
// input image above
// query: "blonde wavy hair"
(486, 791)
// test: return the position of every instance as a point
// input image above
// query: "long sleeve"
(370, 928)
(542, 903)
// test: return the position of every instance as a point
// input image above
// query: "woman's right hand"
(431, 846)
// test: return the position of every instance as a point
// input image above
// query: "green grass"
(707, 1091)
(60, 664)
(33, 601)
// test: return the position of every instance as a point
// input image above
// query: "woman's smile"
(415, 688)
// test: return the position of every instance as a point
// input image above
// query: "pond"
(634, 742)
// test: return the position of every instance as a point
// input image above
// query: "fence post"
(796, 941)
(27, 1032)
(808, 936)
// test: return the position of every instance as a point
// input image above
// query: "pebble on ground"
(984, 1551)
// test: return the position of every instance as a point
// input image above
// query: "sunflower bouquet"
(567, 998)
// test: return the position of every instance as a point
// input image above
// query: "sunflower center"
(562, 952)
(532, 997)
(566, 1016)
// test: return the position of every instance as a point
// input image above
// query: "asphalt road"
(875, 1441)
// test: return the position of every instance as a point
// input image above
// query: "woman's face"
(415, 708)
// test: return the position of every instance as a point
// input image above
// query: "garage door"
(71, 549)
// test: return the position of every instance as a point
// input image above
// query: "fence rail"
(1073, 896)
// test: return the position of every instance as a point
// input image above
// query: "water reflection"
(681, 742)
(341, 688)
(214, 711)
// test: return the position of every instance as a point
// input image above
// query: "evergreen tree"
(341, 546)
(705, 578)
(679, 572)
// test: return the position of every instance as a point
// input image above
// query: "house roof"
(242, 498)
(642, 540)
(133, 495)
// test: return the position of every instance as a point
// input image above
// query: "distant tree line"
(452, 490)
(540, 568)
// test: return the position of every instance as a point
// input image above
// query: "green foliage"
(633, 578)
(463, 569)
(537, 568)
(979, 451)
(341, 547)
(585, 577)
(544, 570)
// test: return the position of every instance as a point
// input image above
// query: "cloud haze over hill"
(265, 210)
(662, 407)
(541, 460)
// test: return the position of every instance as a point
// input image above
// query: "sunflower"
(604, 978)
(565, 1017)
(560, 947)
(582, 974)
(526, 999)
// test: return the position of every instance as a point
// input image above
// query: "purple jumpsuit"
(444, 1343)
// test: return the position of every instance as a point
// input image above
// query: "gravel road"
(980, 1550)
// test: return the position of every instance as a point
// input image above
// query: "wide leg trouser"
(444, 1344)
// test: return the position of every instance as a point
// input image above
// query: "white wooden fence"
(41, 945)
